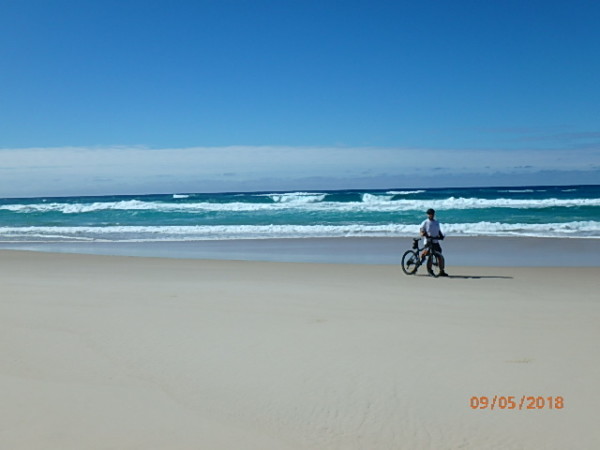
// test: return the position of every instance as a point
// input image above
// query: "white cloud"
(122, 170)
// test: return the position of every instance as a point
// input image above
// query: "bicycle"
(411, 260)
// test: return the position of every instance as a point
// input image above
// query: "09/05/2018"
(520, 403)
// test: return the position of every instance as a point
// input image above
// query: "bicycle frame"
(411, 260)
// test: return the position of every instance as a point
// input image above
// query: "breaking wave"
(309, 202)
(222, 232)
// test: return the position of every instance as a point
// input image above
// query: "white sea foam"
(77, 208)
(420, 191)
(296, 197)
(176, 196)
(578, 229)
(371, 199)
(309, 202)
(582, 229)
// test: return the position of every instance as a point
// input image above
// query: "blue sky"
(234, 95)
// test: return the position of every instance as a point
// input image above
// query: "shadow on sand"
(478, 277)
(470, 277)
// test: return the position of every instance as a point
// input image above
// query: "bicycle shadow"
(479, 277)
(470, 277)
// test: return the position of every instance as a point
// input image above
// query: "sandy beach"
(121, 352)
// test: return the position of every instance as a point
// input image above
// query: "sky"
(126, 96)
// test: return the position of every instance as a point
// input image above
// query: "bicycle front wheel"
(434, 264)
(410, 262)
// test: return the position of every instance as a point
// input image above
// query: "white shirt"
(432, 228)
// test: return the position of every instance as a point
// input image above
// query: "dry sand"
(105, 352)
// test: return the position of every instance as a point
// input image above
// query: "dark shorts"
(436, 247)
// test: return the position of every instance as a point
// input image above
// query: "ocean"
(538, 211)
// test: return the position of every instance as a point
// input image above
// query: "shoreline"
(112, 351)
(503, 251)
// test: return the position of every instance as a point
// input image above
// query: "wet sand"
(459, 250)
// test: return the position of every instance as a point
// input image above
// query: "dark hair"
(431, 211)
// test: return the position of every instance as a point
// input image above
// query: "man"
(430, 230)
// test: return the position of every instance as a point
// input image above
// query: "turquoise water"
(560, 211)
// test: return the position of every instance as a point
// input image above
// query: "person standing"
(431, 231)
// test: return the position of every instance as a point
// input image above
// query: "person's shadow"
(471, 277)
(478, 277)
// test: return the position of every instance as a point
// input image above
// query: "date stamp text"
(523, 402)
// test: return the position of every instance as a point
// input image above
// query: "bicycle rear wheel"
(434, 264)
(410, 262)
